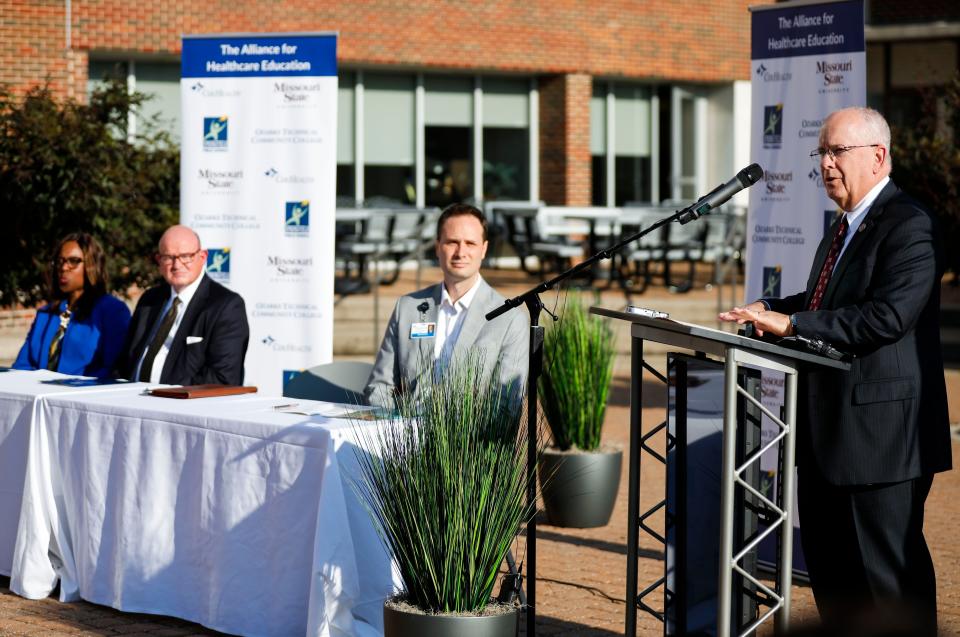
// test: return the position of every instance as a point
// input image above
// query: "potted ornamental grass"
(445, 484)
(584, 476)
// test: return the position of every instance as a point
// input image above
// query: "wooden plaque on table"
(201, 391)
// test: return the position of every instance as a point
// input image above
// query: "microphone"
(719, 196)
(819, 346)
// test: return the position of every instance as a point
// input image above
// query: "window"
(388, 139)
(159, 81)
(448, 139)
(623, 122)
(346, 175)
(506, 138)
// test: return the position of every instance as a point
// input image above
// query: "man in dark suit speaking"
(870, 439)
(190, 331)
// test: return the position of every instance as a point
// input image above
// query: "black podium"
(734, 352)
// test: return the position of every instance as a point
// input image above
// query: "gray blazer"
(504, 339)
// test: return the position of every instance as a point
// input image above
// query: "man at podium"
(869, 439)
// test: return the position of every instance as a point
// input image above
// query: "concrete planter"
(579, 489)
(398, 623)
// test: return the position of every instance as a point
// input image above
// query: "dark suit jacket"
(886, 419)
(215, 314)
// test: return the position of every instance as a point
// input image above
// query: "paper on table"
(338, 410)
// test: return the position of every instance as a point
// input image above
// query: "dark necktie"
(828, 266)
(162, 331)
(56, 345)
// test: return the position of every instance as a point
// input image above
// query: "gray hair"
(872, 129)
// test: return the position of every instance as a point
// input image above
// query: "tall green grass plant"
(578, 367)
(446, 487)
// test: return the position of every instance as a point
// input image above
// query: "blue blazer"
(90, 345)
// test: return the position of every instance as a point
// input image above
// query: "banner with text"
(807, 61)
(258, 184)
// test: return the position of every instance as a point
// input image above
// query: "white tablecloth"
(221, 511)
(19, 394)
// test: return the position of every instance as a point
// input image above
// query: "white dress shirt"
(450, 317)
(855, 216)
(186, 295)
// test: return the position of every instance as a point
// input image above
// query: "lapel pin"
(863, 226)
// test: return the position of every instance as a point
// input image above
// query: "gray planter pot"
(397, 623)
(579, 489)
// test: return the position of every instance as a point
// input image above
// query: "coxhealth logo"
(278, 346)
(773, 126)
(833, 75)
(218, 264)
(296, 218)
(767, 75)
(284, 178)
(815, 176)
(215, 133)
(771, 281)
(200, 89)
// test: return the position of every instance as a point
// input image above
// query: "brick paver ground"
(580, 571)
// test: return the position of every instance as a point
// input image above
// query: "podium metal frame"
(734, 351)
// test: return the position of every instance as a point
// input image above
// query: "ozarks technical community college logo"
(215, 133)
(218, 264)
(296, 218)
(773, 126)
(771, 281)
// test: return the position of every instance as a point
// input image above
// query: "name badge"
(423, 330)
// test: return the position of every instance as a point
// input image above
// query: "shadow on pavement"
(600, 545)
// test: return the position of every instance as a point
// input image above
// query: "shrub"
(446, 487)
(578, 367)
(66, 167)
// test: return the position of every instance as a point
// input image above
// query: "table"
(19, 393)
(221, 511)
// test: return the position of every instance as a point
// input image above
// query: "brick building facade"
(607, 102)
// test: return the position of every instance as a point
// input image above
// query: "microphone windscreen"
(750, 175)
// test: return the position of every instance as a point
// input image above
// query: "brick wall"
(705, 41)
(565, 139)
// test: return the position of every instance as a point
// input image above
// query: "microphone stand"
(531, 298)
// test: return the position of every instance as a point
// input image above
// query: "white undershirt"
(186, 295)
(450, 317)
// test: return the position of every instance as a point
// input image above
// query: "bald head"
(180, 257)
(855, 154)
(179, 234)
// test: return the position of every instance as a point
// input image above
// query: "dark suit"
(215, 314)
(871, 439)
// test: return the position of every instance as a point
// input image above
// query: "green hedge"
(67, 166)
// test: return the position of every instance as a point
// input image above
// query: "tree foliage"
(66, 166)
(926, 162)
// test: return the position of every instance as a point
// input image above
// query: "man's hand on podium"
(763, 319)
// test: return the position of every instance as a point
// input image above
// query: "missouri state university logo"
(771, 281)
(296, 218)
(215, 133)
(773, 126)
(218, 264)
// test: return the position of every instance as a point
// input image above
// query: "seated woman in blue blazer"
(80, 332)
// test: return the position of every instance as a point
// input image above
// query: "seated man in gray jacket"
(437, 324)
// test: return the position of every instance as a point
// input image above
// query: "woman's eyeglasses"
(71, 263)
